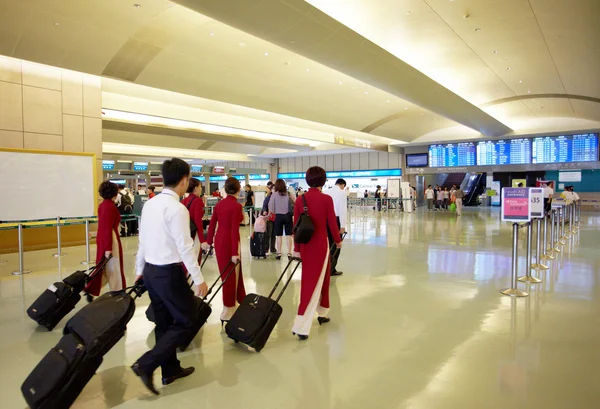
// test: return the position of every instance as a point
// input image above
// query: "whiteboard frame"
(63, 153)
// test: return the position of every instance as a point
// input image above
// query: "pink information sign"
(515, 205)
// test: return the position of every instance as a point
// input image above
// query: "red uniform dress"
(227, 214)
(196, 215)
(314, 291)
(108, 239)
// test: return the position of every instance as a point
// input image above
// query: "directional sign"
(536, 200)
(515, 204)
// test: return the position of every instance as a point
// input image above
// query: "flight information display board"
(565, 149)
(452, 154)
(504, 152)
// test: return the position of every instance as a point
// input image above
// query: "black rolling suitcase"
(203, 308)
(61, 297)
(258, 245)
(62, 374)
(256, 317)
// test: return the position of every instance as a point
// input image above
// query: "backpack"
(260, 225)
(125, 205)
(193, 227)
(304, 228)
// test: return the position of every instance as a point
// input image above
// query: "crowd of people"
(171, 240)
(441, 198)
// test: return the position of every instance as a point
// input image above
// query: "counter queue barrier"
(547, 245)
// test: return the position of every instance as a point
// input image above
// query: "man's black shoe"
(146, 378)
(336, 273)
(184, 372)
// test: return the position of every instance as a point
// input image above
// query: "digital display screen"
(565, 149)
(140, 166)
(196, 168)
(452, 154)
(417, 160)
(108, 165)
(504, 152)
(218, 169)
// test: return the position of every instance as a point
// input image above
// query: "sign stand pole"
(528, 278)
(513, 291)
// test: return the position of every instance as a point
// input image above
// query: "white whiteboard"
(393, 188)
(40, 186)
(259, 198)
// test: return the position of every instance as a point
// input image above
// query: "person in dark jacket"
(270, 223)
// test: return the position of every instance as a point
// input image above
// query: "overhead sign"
(515, 205)
(348, 174)
(569, 176)
(196, 168)
(218, 169)
(140, 166)
(108, 165)
(536, 201)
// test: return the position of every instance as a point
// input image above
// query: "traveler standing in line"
(279, 205)
(366, 195)
(226, 219)
(314, 291)
(548, 193)
(151, 193)
(429, 195)
(249, 201)
(195, 205)
(378, 196)
(340, 207)
(459, 196)
(166, 242)
(108, 243)
(270, 223)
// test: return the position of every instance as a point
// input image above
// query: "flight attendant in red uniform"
(314, 291)
(194, 203)
(108, 243)
(228, 216)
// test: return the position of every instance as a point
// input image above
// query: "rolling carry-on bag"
(66, 369)
(203, 308)
(61, 297)
(150, 311)
(258, 245)
(256, 317)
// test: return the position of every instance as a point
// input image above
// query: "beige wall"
(48, 108)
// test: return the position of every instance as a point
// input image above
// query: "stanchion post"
(547, 255)
(21, 254)
(87, 244)
(528, 277)
(578, 213)
(555, 244)
(563, 233)
(513, 291)
(59, 252)
(572, 224)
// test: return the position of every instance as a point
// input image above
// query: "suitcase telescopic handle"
(333, 245)
(206, 258)
(92, 271)
(231, 267)
(291, 260)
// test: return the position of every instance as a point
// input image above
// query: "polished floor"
(417, 323)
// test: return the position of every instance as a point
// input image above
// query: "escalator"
(473, 185)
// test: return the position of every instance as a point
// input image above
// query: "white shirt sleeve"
(140, 259)
(179, 227)
(343, 208)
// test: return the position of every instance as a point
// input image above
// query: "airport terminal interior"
(466, 136)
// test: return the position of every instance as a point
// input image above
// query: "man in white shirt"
(548, 193)
(340, 206)
(166, 245)
(429, 196)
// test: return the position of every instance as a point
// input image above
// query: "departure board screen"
(565, 149)
(504, 152)
(452, 154)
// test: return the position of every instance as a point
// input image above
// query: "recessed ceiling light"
(366, 93)
(57, 24)
(211, 34)
(540, 107)
(406, 109)
(137, 6)
(287, 63)
(508, 68)
(477, 29)
(339, 82)
(241, 45)
(387, 100)
(520, 81)
(308, 70)
(266, 54)
(495, 51)
(529, 92)
(409, 12)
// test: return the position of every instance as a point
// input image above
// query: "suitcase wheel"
(236, 341)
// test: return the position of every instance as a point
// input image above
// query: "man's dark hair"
(340, 182)
(151, 188)
(269, 183)
(173, 170)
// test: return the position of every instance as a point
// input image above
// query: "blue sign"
(108, 165)
(452, 154)
(196, 168)
(348, 174)
(504, 152)
(140, 166)
(565, 149)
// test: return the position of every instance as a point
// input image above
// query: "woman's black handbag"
(304, 228)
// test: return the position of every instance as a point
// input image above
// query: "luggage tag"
(52, 288)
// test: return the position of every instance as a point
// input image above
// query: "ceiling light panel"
(125, 149)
